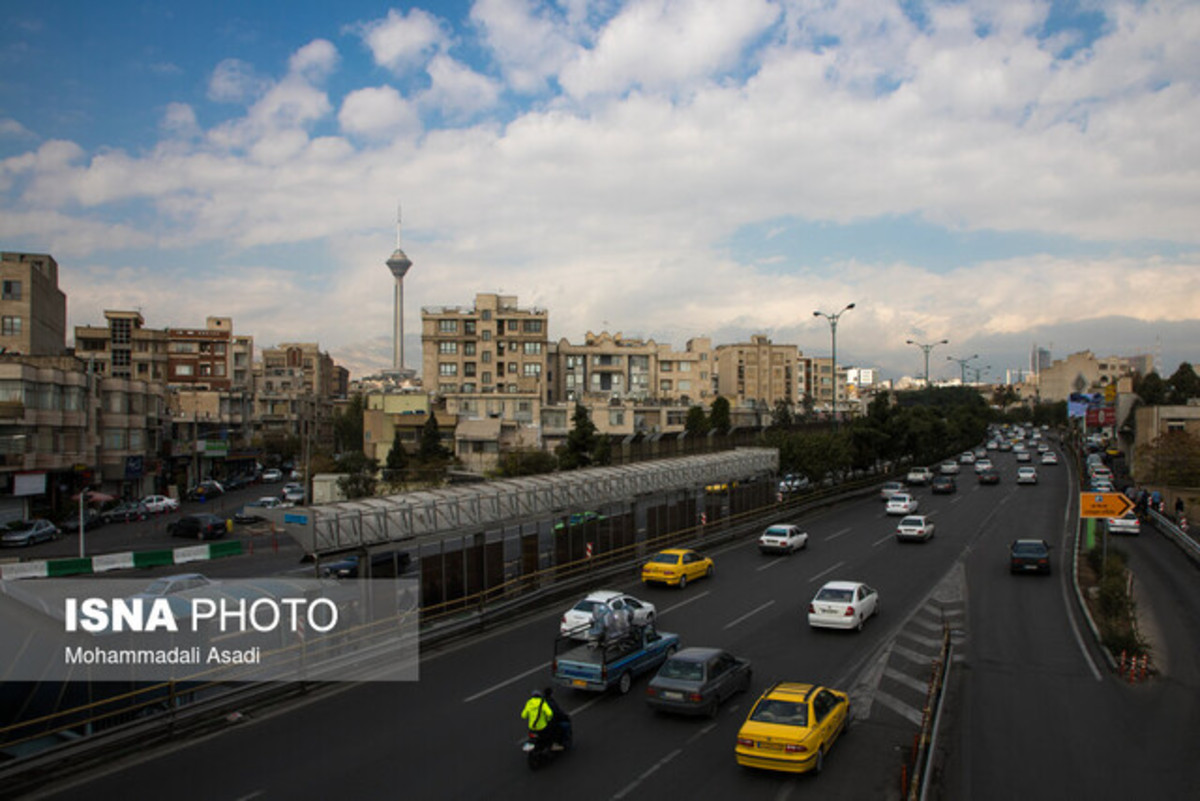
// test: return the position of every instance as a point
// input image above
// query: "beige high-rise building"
(758, 372)
(493, 348)
(33, 310)
(608, 367)
(294, 388)
(124, 348)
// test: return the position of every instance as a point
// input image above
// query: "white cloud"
(10, 128)
(401, 41)
(666, 45)
(457, 90)
(179, 119)
(379, 113)
(234, 81)
(315, 60)
(529, 43)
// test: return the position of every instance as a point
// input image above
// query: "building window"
(187, 369)
(469, 369)
(533, 348)
(121, 331)
(533, 369)
(512, 388)
(12, 290)
(182, 347)
(487, 315)
(512, 368)
(685, 367)
(533, 327)
(114, 439)
(120, 358)
(666, 367)
(10, 326)
(468, 326)
(616, 417)
(446, 389)
(486, 357)
(136, 440)
(447, 326)
(512, 325)
(468, 348)
(487, 336)
(487, 378)
(447, 347)
(447, 368)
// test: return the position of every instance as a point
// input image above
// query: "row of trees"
(1182, 386)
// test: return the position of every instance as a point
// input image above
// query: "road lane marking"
(682, 604)
(505, 683)
(835, 536)
(629, 788)
(883, 540)
(772, 563)
(825, 572)
(733, 623)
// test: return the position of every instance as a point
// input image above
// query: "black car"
(91, 520)
(989, 476)
(386, 564)
(696, 681)
(198, 527)
(943, 485)
(125, 512)
(1029, 556)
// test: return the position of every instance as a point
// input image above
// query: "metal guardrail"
(1183, 539)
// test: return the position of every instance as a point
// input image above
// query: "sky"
(998, 173)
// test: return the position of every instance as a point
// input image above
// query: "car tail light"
(554, 665)
(695, 697)
(746, 741)
(849, 611)
(650, 691)
(1043, 561)
(811, 610)
(794, 748)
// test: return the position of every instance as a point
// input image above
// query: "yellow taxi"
(676, 566)
(792, 727)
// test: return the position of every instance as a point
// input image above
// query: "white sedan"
(914, 527)
(160, 503)
(843, 605)
(901, 504)
(1050, 457)
(577, 620)
(782, 538)
(1027, 474)
(949, 468)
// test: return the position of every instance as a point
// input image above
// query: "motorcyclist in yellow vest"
(537, 714)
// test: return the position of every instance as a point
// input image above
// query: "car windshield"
(586, 606)
(841, 596)
(778, 531)
(157, 587)
(666, 559)
(912, 521)
(773, 710)
(1028, 549)
(682, 669)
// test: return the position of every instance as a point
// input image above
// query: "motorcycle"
(541, 747)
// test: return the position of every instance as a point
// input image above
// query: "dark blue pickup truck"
(598, 666)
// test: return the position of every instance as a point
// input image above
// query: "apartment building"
(822, 381)
(33, 310)
(758, 373)
(1084, 372)
(294, 387)
(494, 348)
(124, 347)
(616, 368)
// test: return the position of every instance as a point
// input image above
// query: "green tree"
(348, 425)
(431, 449)
(526, 462)
(1173, 458)
(781, 415)
(1185, 384)
(580, 447)
(397, 458)
(358, 480)
(719, 419)
(696, 423)
(1152, 389)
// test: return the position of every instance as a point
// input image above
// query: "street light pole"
(927, 347)
(833, 321)
(962, 366)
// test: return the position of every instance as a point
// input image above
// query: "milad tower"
(398, 264)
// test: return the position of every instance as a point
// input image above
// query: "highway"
(1032, 711)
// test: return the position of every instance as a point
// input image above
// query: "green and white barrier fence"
(55, 568)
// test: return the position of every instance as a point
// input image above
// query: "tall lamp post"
(927, 347)
(833, 321)
(979, 371)
(962, 366)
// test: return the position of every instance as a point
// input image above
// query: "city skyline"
(998, 176)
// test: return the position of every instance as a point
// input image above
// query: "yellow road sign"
(1103, 504)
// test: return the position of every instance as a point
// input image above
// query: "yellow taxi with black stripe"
(792, 727)
(676, 566)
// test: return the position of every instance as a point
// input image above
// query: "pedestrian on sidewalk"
(1178, 508)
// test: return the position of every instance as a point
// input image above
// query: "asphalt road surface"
(1033, 712)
